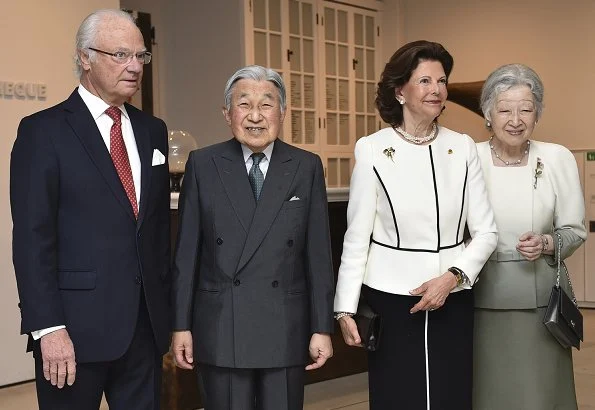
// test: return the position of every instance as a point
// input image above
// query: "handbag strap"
(560, 263)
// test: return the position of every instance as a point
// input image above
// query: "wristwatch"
(462, 279)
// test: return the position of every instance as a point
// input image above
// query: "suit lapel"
(234, 177)
(280, 175)
(143, 145)
(82, 123)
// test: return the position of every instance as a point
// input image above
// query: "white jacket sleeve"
(569, 208)
(480, 220)
(361, 213)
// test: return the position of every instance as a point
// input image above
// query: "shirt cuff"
(37, 334)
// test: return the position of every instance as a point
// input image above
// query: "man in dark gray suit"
(252, 277)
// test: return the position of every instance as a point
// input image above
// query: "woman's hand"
(434, 292)
(531, 244)
(349, 330)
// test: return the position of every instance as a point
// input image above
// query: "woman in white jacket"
(414, 188)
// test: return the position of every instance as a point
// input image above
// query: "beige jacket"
(508, 281)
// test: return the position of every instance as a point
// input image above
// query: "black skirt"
(425, 359)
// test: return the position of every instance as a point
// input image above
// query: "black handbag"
(369, 325)
(562, 317)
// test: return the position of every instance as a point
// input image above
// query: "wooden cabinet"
(329, 56)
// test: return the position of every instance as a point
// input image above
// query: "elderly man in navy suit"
(89, 193)
(252, 277)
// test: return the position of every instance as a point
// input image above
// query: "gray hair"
(87, 33)
(506, 77)
(256, 73)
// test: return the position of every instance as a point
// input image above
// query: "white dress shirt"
(104, 123)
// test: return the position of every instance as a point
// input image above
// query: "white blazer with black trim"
(408, 206)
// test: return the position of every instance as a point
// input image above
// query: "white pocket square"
(294, 198)
(158, 158)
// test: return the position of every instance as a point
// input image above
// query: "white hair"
(87, 33)
(506, 77)
(256, 73)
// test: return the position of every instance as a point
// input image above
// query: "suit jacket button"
(275, 284)
(236, 282)
(290, 243)
(138, 280)
(219, 241)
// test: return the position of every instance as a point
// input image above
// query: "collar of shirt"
(264, 163)
(96, 105)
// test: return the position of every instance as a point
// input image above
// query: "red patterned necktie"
(120, 156)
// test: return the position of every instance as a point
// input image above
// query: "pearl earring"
(488, 124)
(400, 100)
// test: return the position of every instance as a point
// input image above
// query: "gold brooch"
(389, 153)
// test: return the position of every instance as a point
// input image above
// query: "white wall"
(392, 22)
(40, 49)
(157, 10)
(555, 38)
(200, 45)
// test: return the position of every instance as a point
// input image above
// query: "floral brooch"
(538, 172)
(389, 153)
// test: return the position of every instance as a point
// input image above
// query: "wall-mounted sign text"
(22, 90)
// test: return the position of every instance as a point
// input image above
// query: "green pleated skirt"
(518, 365)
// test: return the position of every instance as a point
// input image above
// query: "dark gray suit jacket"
(253, 281)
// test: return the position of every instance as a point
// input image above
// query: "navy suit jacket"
(80, 256)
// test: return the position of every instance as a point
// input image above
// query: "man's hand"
(349, 330)
(321, 349)
(57, 352)
(181, 347)
(434, 292)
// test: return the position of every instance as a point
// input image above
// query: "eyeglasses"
(123, 57)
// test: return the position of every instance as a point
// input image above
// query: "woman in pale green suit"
(535, 192)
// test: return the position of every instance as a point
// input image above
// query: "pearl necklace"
(417, 140)
(507, 163)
